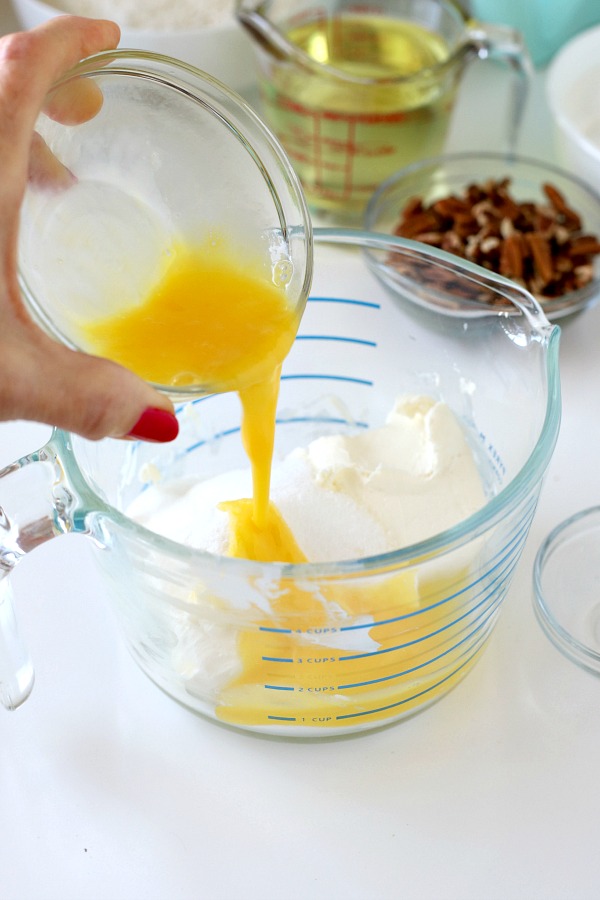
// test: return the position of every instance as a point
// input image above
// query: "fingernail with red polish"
(156, 425)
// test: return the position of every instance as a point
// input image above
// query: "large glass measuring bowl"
(138, 160)
(376, 638)
(356, 92)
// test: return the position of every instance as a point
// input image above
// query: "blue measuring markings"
(475, 632)
(492, 589)
(497, 584)
(398, 703)
(322, 377)
(293, 420)
(275, 630)
(195, 402)
(504, 557)
(304, 375)
(486, 614)
(216, 437)
(504, 554)
(322, 420)
(489, 612)
(335, 337)
(432, 687)
(366, 303)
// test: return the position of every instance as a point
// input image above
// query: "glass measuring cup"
(376, 638)
(135, 157)
(357, 91)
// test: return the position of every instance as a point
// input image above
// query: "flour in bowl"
(153, 14)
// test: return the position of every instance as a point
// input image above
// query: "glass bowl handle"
(34, 508)
(506, 45)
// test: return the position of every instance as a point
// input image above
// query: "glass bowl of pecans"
(525, 220)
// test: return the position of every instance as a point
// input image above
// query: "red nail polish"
(157, 425)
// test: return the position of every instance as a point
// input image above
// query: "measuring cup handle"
(16, 670)
(498, 42)
(30, 514)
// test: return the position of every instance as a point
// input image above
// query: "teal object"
(545, 24)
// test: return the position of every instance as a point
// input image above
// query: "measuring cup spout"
(30, 514)
(16, 670)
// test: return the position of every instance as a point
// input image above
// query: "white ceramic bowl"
(574, 99)
(223, 51)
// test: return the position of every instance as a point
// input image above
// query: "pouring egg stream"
(211, 321)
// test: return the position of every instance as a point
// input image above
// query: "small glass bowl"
(134, 154)
(566, 581)
(436, 178)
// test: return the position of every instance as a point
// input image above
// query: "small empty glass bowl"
(567, 588)
(434, 179)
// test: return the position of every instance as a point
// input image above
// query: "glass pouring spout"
(262, 30)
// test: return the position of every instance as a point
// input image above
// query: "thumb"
(43, 381)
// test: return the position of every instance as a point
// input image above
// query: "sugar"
(153, 14)
(344, 496)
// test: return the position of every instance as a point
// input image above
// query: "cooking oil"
(345, 136)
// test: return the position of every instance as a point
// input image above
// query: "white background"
(111, 791)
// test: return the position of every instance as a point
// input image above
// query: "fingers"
(43, 381)
(45, 170)
(30, 62)
(74, 102)
(40, 379)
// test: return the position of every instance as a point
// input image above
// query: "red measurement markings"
(317, 158)
(307, 143)
(366, 9)
(314, 14)
(350, 153)
(367, 118)
(329, 193)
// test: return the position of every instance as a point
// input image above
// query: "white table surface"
(110, 791)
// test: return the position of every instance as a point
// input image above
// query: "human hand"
(40, 379)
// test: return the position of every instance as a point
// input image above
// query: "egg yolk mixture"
(230, 327)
